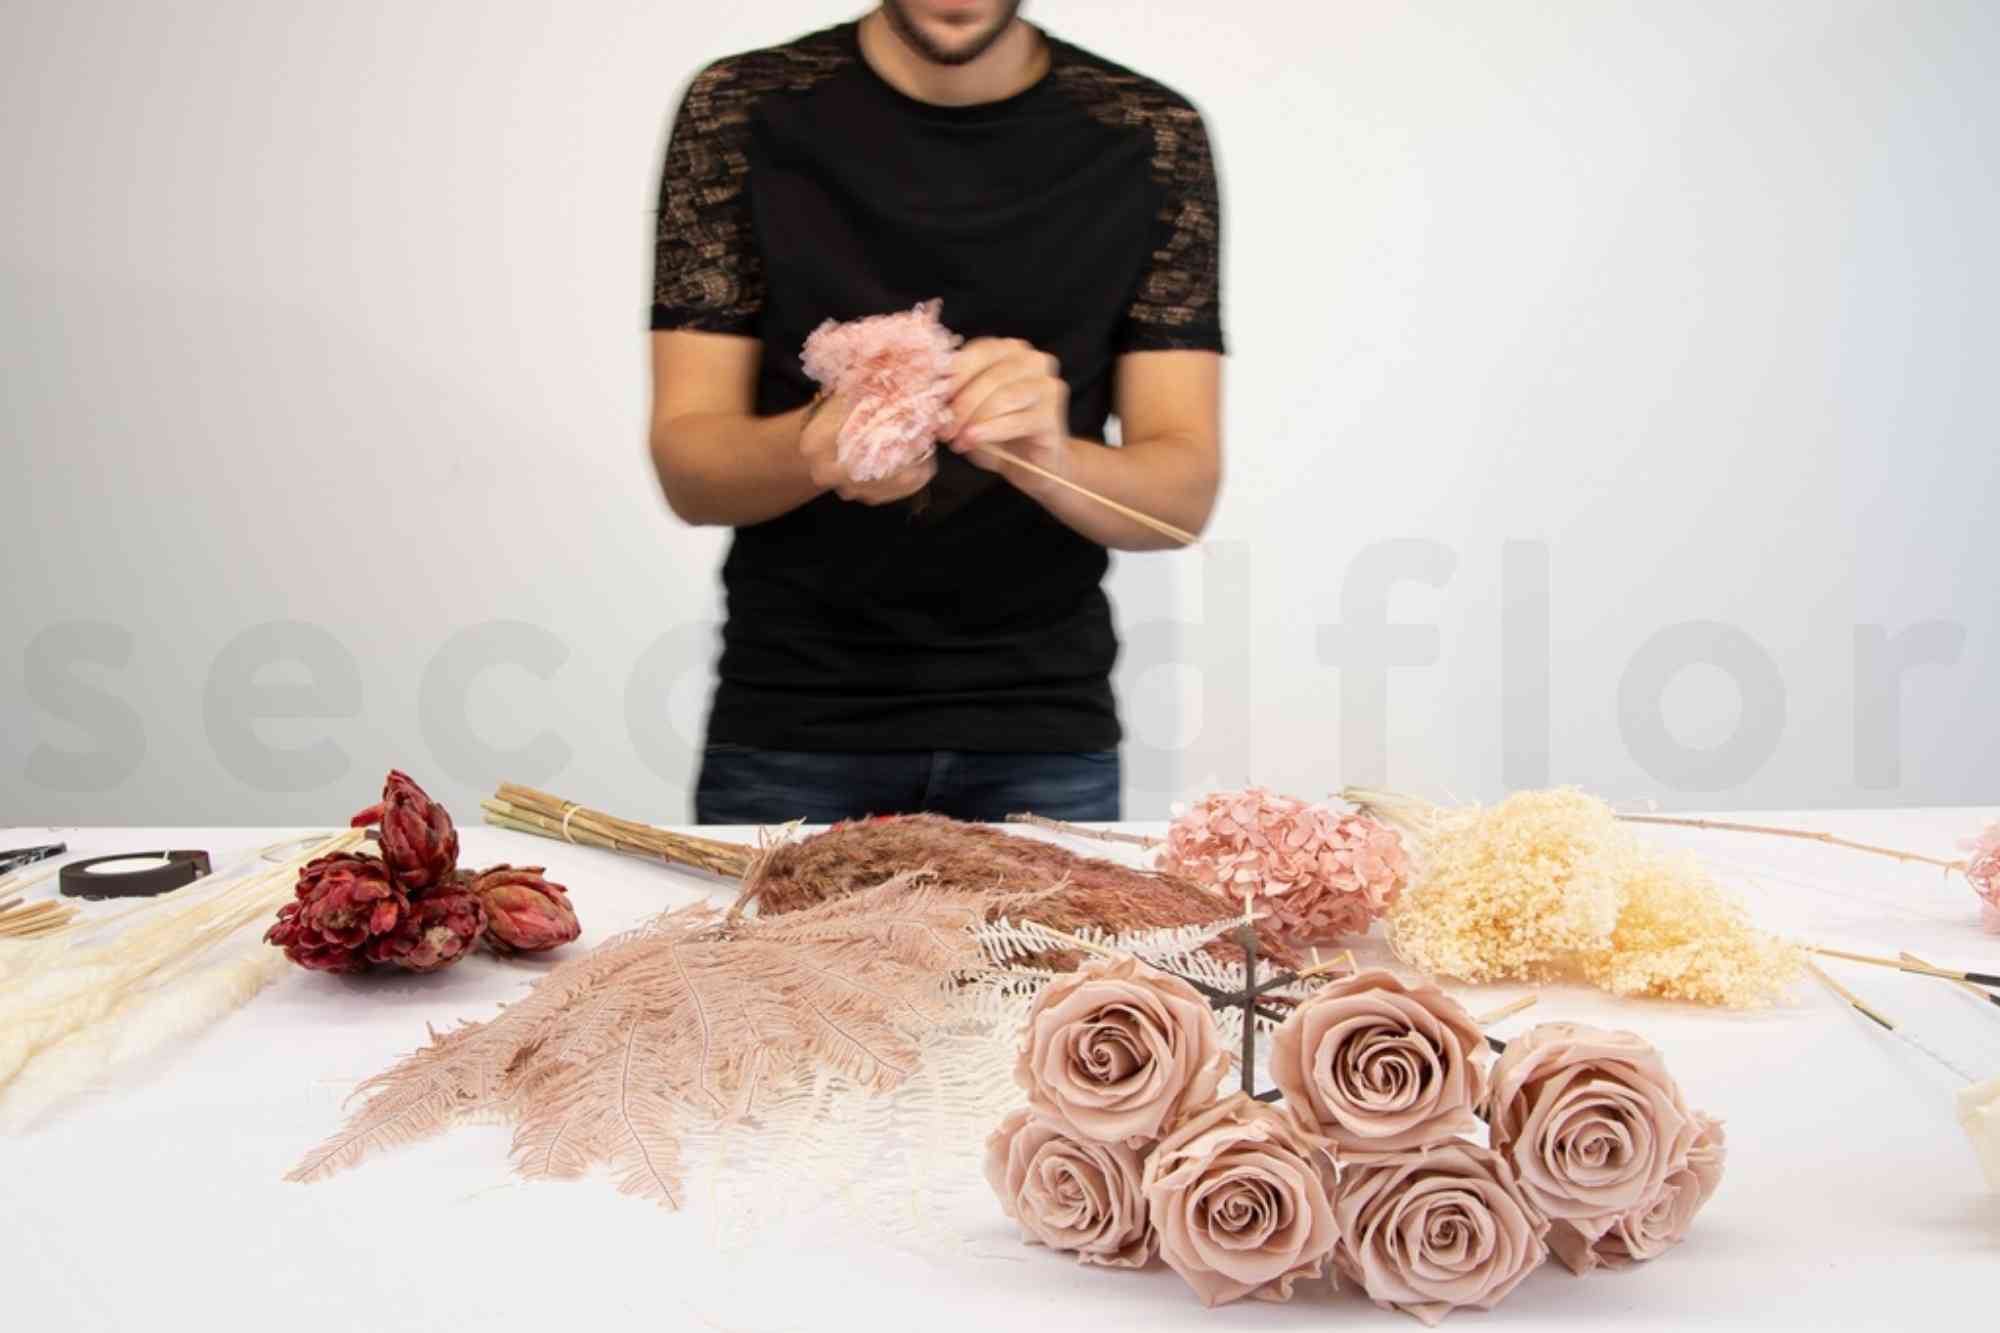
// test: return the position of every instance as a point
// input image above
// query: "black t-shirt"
(1079, 215)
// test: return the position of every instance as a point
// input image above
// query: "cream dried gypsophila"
(1681, 937)
(1505, 890)
(1549, 885)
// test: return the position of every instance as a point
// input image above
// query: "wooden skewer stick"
(1860, 1005)
(1921, 969)
(1507, 1010)
(28, 913)
(1679, 821)
(1965, 986)
(1164, 528)
(9, 905)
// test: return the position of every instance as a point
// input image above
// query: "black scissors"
(14, 859)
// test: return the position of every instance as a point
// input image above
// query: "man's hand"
(819, 445)
(1005, 393)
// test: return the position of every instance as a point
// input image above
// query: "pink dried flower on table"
(894, 370)
(525, 913)
(1241, 1202)
(419, 842)
(1438, 1229)
(345, 912)
(1982, 869)
(1070, 1194)
(1317, 874)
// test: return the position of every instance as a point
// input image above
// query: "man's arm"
(1169, 406)
(720, 464)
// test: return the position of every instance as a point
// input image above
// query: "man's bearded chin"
(961, 52)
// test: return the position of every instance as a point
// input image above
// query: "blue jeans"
(741, 784)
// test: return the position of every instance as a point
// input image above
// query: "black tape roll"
(181, 869)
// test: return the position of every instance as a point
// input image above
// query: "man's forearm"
(1170, 478)
(726, 470)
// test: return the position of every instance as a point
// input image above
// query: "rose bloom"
(1589, 1119)
(1117, 1050)
(1372, 1064)
(1654, 1227)
(1438, 1230)
(1070, 1194)
(1241, 1202)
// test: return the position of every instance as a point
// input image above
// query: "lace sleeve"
(707, 274)
(1178, 303)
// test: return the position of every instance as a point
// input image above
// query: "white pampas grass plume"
(138, 1028)
(68, 1000)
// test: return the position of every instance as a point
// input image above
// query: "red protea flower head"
(418, 839)
(441, 928)
(525, 913)
(344, 906)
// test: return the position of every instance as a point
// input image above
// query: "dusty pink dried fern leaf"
(1315, 874)
(895, 370)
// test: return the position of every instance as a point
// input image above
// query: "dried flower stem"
(1809, 835)
(1084, 831)
(1507, 1010)
(1965, 986)
(1922, 969)
(1901, 1034)
(1860, 1006)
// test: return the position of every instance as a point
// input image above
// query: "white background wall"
(1606, 317)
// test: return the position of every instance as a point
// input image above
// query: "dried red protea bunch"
(442, 927)
(525, 913)
(346, 910)
(418, 839)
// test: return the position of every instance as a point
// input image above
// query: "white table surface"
(1851, 1201)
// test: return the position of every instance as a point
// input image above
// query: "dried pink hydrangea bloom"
(1983, 870)
(1317, 874)
(894, 369)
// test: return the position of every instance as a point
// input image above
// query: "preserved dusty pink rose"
(1589, 1119)
(442, 927)
(1117, 1050)
(419, 842)
(1068, 1193)
(1315, 874)
(525, 912)
(1438, 1230)
(895, 371)
(344, 908)
(1374, 1064)
(1241, 1202)
(1656, 1226)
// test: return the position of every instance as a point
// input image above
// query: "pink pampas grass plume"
(895, 369)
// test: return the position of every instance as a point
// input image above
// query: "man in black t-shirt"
(938, 639)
